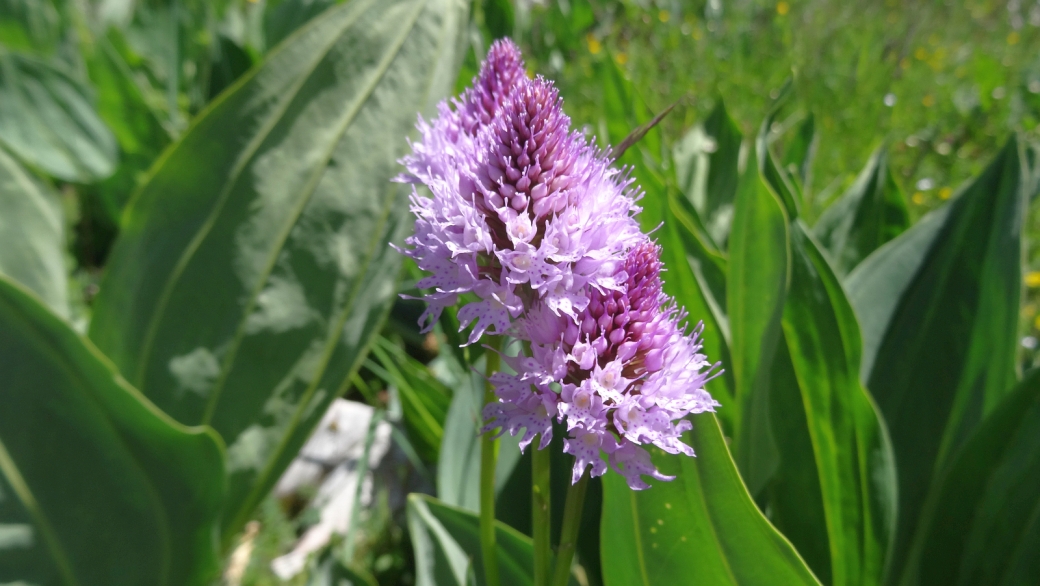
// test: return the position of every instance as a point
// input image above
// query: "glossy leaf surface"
(939, 306)
(834, 494)
(97, 486)
(701, 528)
(32, 235)
(47, 119)
(755, 288)
(254, 266)
(982, 521)
(869, 214)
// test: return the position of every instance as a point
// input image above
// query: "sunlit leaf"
(254, 266)
(97, 486)
(834, 495)
(872, 212)
(47, 119)
(757, 282)
(32, 235)
(701, 528)
(939, 308)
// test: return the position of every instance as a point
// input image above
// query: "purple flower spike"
(628, 375)
(503, 68)
(524, 211)
(531, 221)
(451, 136)
(530, 157)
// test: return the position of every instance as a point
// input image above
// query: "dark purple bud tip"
(501, 70)
(534, 151)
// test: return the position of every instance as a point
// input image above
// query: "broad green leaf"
(137, 126)
(708, 264)
(872, 212)
(701, 528)
(706, 161)
(254, 266)
(47, 119)
(939, 306)
(834, 495)
(447, 546)
(32, 235)
(982, 521)
(97, 486)
(458, 464)
(758, 274)
(285, 16)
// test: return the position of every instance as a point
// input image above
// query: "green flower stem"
(569, 535)
(540, 514)
(488, 461)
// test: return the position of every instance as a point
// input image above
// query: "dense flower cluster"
(627, 375)
(523, 209)
(533, 221)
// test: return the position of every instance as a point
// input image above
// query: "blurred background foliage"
(92, 92)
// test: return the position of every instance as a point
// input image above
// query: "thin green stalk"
(540, 515)
(488, 461)
(569, 535)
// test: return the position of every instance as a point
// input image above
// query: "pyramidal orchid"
(536, 226)
(523, 211)
(626, 375)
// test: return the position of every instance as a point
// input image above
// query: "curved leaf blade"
(458, 461)
(701, 528)
(100, 485)
(869, 214)
(755, 289)
(982, 522)
(447, 546)
(47, 119)
(945, 356)
(254, 266)
(706, 161)
(834, 494)
(32, 235)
